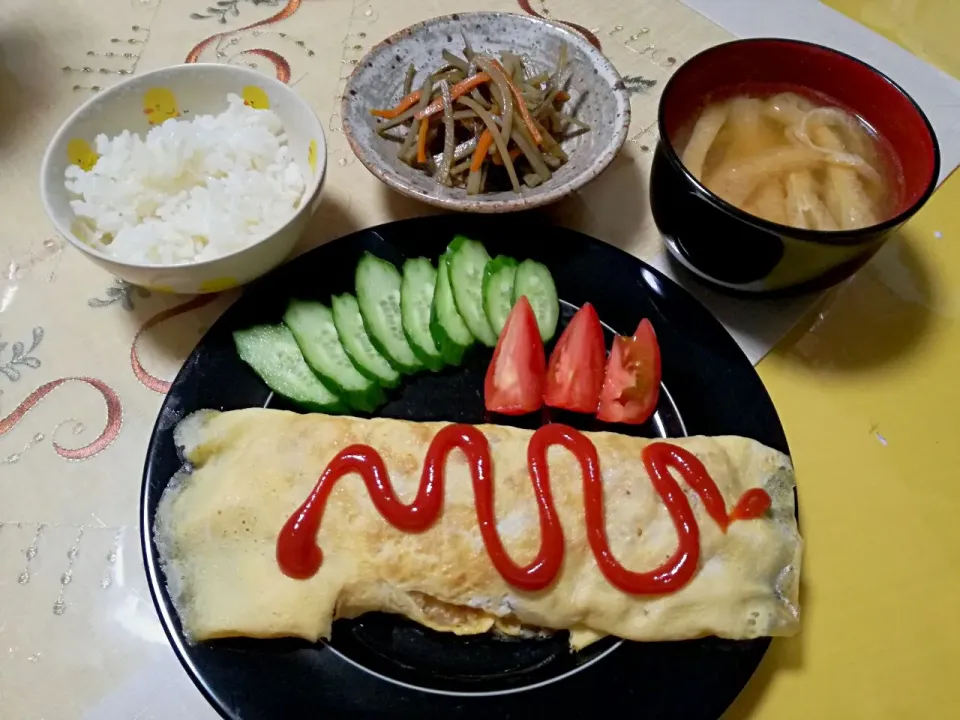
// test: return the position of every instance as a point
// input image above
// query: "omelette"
(247, 471)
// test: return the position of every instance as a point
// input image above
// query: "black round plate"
(384, 666)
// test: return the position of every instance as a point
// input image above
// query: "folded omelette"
(248, 471)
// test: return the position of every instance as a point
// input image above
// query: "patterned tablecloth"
(85, 358)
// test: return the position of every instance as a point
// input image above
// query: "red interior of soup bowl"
(775, 65)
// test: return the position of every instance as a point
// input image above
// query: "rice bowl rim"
(310, 191)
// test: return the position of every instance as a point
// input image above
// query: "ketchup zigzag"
(299, 556)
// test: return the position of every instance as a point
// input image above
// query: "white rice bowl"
(191, 190)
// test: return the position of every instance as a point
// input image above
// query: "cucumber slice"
(378, 294)
(536, 282)
(273, 354)
(498, 290)
(451, 334)
(312, 326)
(416, 303)
(467, 264)
(356, 342)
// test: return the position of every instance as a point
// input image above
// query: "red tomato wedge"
(575, 372)
(631, 386)
(514, 382)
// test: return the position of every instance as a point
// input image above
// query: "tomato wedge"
(514, 382)
(631, 386)
(575, 372)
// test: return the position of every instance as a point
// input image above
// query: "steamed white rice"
(191, 190)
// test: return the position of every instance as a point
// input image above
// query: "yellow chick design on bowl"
(159, 105)
(81, 154)
(255, 97)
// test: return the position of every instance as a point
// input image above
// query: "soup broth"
(792, 161)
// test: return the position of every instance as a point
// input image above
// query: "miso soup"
(790, 160)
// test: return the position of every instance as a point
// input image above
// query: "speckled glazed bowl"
(596, 89)
(184, 91)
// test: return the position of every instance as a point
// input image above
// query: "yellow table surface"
(867, 390)
(927, 28)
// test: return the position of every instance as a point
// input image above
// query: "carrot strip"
(405, 104)
(521, 103)
(514, 154)
(483, 147)
(422, 142)
(461, 88)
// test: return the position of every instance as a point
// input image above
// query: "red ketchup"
(299, 556)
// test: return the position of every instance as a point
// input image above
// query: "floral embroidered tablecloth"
(85, 358)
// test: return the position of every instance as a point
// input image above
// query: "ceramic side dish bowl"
(734, 250)
(185, 91)
(597, 92)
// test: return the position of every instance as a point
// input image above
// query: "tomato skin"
(514, 381)
(631, 386)
(576, 370)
